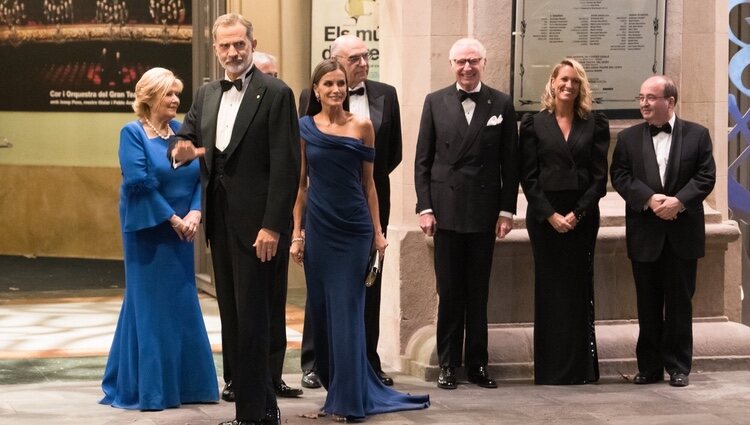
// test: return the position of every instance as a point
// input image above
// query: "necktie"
(357, 92)
(226, 84)
(654, 130)
(463, 95)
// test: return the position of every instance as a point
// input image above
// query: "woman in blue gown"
(341, 228)
(160, 355)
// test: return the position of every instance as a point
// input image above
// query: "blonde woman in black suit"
(564, 156)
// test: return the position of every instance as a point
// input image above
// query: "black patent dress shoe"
(447, 378)
(310, 379)
(679, 380)
(284, 390)
(481, 377)
(227, 394)
(384, 378)
(642, 378)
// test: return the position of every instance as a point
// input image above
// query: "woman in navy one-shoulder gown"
(341, 228)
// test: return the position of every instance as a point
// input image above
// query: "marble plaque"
(620, 43)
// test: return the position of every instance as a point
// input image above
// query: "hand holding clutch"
(374, 267)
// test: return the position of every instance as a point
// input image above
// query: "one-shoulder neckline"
(315, 126)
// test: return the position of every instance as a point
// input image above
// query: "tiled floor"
(52, 354)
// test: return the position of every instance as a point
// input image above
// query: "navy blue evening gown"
(338, 239)
(160, 355)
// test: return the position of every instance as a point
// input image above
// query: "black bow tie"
(654, 130)
(463, 95)
(226, 84)
(357, 92)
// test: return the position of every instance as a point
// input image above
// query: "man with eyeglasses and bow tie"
(466, 176)
(378, 102)
(664, 169)
(245, 129)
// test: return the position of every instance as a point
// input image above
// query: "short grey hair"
(263, 57)
(470, 42)
(342, 39)
(230, 19)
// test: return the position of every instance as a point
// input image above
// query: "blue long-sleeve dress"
(160, 355)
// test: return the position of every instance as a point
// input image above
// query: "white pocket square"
(495, 120)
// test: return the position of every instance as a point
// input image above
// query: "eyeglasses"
(356, 58)
(470, 61)
(649, 98)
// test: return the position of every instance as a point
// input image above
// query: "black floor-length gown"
(564, 175)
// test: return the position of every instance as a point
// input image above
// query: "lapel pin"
(257, 96)
(489, 101)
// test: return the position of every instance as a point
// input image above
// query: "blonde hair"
(153, 85)
(583, 103)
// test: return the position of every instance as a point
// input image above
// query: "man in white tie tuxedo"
(664, 169)
(466, 176)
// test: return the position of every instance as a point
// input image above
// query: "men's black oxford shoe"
(284, 390)
(679, 380)
(447, 378)
(481, 377)
(384, 378)
(310, 379)
(227, 394)
(642, 378)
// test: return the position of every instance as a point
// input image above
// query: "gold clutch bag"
(374, 267)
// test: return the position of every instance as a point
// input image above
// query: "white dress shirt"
(359, 104)
(468, 104)
(662, 146)
(228, 108)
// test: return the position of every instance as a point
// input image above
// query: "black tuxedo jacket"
(263, 155)
(550, 163)
(466, 173)
(385, 115)
(690, 177)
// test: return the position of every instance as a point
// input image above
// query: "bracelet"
(298, 240)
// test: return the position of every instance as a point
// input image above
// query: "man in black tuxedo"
(378, 102)
(664, 169)
(246, 129)
(267, 64)
(466, 176)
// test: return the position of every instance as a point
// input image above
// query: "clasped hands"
(186, 227)
(563, 223)
(665, 207)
